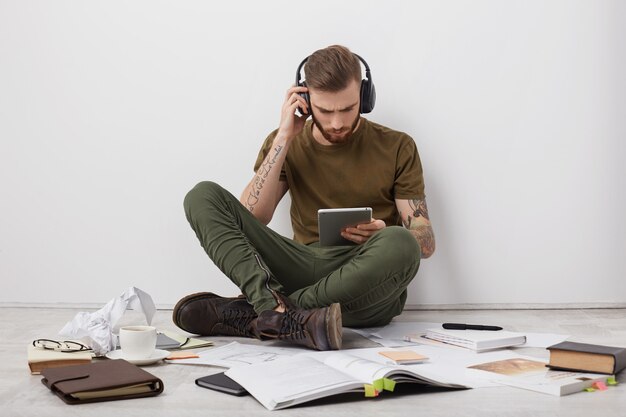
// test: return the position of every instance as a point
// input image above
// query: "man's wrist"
(282, 139)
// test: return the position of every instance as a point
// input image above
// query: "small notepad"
(404, 357)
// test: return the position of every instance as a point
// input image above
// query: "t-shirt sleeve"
(409, 181)
(263, 153)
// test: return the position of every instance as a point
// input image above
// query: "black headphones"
(368, 91)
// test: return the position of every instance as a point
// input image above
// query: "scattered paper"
(393, 334)
(237, 354)
(96, 329)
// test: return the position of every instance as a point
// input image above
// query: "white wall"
(111, 111)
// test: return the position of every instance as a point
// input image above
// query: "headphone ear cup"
(368, 96)
(306, 97)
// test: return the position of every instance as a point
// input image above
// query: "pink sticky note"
(600, 385)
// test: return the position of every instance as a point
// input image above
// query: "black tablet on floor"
(222, 383)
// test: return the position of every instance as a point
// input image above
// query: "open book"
(297, 379)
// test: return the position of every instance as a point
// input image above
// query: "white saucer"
(156, 356)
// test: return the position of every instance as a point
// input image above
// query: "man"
(294, 289)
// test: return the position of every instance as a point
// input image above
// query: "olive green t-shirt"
(373, 168)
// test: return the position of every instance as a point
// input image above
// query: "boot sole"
(191, 297)
(334, 326)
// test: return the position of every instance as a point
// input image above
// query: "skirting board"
(515, 306)
(408, 307)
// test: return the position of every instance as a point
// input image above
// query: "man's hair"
(332, 69)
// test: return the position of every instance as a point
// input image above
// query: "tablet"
(220, 382)
(331, 222)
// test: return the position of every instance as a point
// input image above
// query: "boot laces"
(292, 325)
(239, 320)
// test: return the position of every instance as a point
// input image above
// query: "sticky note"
(404, 357)
(389, 384)
(370, 391)
(611, 381)
(590, 389)
(379, 385)
(599, 385)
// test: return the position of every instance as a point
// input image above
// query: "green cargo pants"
(368, 280)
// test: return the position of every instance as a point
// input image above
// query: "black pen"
(460, 326)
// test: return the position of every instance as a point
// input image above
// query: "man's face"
(336, 114)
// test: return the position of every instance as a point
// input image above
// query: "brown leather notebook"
(105, 380)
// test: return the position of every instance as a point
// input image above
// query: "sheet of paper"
(238, 354)
(392, 335)
(392, 343)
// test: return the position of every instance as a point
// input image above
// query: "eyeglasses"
(64, 346)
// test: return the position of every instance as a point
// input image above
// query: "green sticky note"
(611, 381)
(370, 391)
(590, 389)
(389, 384)
(379, 384)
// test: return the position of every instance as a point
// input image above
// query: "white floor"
(22, 394)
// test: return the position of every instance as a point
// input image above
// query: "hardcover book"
(587, 357)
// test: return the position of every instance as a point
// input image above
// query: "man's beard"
(337, 137)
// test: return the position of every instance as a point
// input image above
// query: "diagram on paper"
(237, 354)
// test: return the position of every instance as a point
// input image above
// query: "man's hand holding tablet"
(346, 226)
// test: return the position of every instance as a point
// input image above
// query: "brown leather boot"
(318, 328)
(208, 314)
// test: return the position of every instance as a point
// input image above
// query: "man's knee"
(400, 246)
(201, 193)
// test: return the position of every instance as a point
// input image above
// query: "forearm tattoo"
(419, 208)
(261, 177)
(422, 232)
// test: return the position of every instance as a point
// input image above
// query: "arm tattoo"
(419, 208)
(422, 232)
(261, 176)
(426, 239)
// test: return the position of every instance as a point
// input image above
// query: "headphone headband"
(368, 92)
(368, 75)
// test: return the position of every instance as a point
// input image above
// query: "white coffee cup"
(137, 342)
